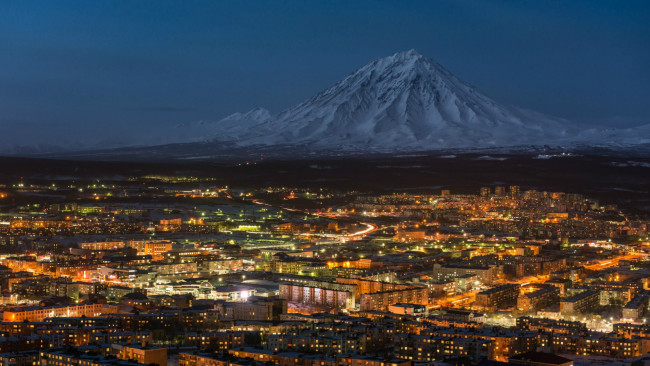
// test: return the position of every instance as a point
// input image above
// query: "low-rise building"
(538, 299)
(144, 354)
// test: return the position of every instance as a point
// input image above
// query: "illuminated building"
(538, 299)
(63, 357)
(198, 358)
(551, 325)
(107, 245)
(368, 286)
(215, 341)
(427, 348)
(330, 294)
(636, 308)
(283, 358)
(408, 309)
(487, 275)
(37, 314)
(506, 342)
(514, 191)
(583, 302)
(256, 309)
(498, 297)
(148, 355)
(445, 287)
(380, 301)
(27, 358)
(358, 360)
(614, 292)
(410, 235)
(154, 248)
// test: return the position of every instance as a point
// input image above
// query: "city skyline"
(324, 183)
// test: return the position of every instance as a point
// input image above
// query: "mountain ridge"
(403, 99)
(396, 104)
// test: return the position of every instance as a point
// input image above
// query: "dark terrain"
(611, 179)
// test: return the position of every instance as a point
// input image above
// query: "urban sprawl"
(180, 271)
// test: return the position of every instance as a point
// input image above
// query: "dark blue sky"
(106, 66)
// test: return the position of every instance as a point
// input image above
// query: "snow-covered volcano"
(402, 102)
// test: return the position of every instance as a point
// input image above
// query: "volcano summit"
(403, 102)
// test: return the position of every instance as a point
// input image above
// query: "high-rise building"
(485, 191)
(500, 191)
(496, 297)
(514, 191)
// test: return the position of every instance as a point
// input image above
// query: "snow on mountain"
(256, 115)
(238, 123)
(225, 129)
(402, 102)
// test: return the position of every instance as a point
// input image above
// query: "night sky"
(101, 69)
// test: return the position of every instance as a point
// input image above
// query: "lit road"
(370, 227)
(531, 279)
(455, 300)
(612, 262)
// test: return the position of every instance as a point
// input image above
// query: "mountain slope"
(403, 102)
(228, 127)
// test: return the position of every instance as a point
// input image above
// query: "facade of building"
(37, 314)
(498, 297)
(536, 300)
(487, 275)
(381, 301)
(581, 303)
(148, 355)
(341, 296)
